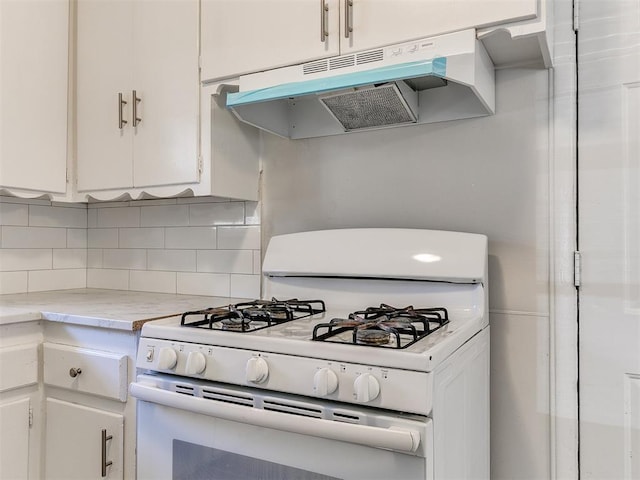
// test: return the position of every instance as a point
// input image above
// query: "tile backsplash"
(198, 246)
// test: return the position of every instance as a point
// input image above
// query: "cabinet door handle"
(135, 100)
(348, 18)
(104, 463)
(121, 121)
(74, 372)
(324, 11)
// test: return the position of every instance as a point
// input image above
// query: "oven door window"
(178, 444)
(197, 462)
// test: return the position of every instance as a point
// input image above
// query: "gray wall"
(488, 175)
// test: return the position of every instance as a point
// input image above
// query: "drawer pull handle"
(74, 372)
(104, 463)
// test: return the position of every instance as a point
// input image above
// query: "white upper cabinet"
(34, 65)
(145, 127)
(137, 94)
(252, 35)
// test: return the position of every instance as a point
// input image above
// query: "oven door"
(191, 430)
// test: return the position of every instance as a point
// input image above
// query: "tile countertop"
(115, 309)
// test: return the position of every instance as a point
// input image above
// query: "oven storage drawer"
(84, 370)
(397, 439)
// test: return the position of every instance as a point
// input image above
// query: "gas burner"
(252, 316)
(383, 326)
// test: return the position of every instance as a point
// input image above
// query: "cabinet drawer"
(84, 370)
(18, 366)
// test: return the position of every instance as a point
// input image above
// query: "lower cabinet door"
(14, 439)
(82, 442)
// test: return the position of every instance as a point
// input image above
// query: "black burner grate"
(253, 315)
(383, 326)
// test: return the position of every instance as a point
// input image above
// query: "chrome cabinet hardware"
(121, 121)
(324, 10)
(135, 100)
(74, 372)
(348, 18)
(104, 463)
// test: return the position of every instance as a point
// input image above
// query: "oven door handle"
(402, 440)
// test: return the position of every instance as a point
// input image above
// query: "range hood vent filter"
(389, 104)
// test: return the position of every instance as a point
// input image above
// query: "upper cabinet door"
(251, 35)
(369, 24)
(166, 80)
(34, 65)
(104, 70)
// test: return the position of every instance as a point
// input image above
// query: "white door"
(14, 440)
(75, 446)
(104, 69)
(34, 43)
(252, 35)
(609, 238)
(166, 80)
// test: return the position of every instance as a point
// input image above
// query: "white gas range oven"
(368, 357)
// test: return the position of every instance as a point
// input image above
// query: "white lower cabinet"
(14, 439)
(82, 442)
(90, 419)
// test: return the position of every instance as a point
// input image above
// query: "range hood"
(435, 79)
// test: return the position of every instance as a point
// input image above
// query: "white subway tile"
(164, 216)
(25, 201)
(225, 261)
(42, 280)
(115, 203)
(245, 286)
(110, 279)
(94, 258)
(102, 238)
(69, 258)
(41, 216)
(216, 284)
(119, 217)
(257, 262)
(252, 213)
(92, 218)
(157, 201)
(13, 282)
(34, 237)
(76, 238)
(190, 200)
(239, 238)
(150, 237)
(223, 213)
(151, 281)
(14, 259)
(14, 214)
(198, 238)
(79, 206)
(173, 260)
(124, 258)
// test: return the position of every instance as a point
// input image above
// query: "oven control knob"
(167, 358)
(257, 370)
(196, 363)
(325, 382)
(366, 388)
